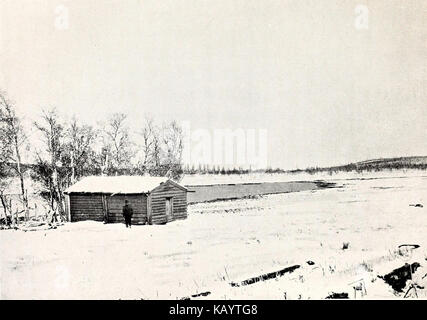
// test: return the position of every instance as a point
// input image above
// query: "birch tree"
(79, 153)
(13, 138)
(173, 147)
(48, 169)
(118, 146)
(149, 144)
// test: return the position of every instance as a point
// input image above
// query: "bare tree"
(13, 138)
(157, 151)
(48, 171)
(172, 148)
(6, 201)
(161, 149)
(149, 135)
(5, 154)
(117, 144)
(5, 144)
(78, 151)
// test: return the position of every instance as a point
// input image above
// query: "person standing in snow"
(127, 214)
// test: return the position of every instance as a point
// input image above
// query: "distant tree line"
(407, 163)
(222, 170)
(213, 169)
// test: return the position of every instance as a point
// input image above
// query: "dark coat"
(127, 211)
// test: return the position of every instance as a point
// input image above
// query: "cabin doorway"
(169, 209)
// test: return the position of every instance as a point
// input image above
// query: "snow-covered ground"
(230, 241)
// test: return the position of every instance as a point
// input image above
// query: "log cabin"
(154, 200)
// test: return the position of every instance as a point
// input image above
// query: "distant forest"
(417, 163)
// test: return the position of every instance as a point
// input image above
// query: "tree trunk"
(4, 204)
(73, 170)
(21, 176)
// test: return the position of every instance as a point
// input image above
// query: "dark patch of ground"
(202, 294)
(385, 188)
(267, 276)
(398, 277)
(335, 295)
(409, 246)
(323, 184)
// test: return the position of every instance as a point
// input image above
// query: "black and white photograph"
(202, 150)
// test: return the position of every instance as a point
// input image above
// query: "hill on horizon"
(413, 162)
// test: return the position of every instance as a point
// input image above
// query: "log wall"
(158, 203)
(86, 207)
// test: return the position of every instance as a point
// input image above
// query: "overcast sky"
(327, 91)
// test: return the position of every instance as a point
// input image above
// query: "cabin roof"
(117, 184)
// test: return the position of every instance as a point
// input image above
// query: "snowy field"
(231, 241)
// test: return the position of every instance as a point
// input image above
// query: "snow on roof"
(116, 184)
